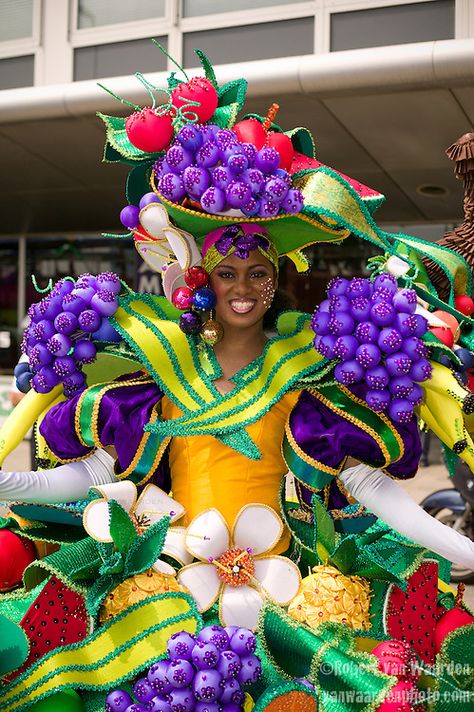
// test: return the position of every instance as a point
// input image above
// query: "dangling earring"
(212, 331)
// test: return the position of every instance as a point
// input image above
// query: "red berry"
(149, 131)
(196, 277)
(197, 89)
(464, 304)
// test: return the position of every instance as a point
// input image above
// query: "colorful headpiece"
(240, 240)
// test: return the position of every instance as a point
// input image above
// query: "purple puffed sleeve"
(121, 410)
(328, 437)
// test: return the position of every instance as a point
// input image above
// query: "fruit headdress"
(209, 170)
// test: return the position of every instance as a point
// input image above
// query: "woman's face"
(244, 289)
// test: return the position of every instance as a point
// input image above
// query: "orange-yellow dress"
(207, 473)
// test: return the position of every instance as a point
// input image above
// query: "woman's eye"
(225, 275)
(259, 275)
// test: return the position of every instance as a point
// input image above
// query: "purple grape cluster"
(63, 327)
(210, 165)
(372, 329)
(204, 673)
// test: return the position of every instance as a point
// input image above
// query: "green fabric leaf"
(344, 555)
(14, 646)
(121, 527)
(302, 141)
(207, 66)
(75, 562)
(138, 182)
(101, 587)
(453, 687)
(324, 532)
(118, 139)
(231, 100)
(146, 548)
(173, 81)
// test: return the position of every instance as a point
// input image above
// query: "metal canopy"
(382, 115)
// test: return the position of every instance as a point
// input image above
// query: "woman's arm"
(387, 500)
(66, 483)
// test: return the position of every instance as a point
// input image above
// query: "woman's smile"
(242, 306)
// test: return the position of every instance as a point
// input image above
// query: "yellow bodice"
(206, 473)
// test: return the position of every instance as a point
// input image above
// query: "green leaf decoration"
(101, 587)
(324, 531)
(344, 555)
(173, 81)
(146, 548)
(113, 563)
(231, 100)
(207, 66)
(303, 141)
(121, 527)
(14, 646)
(138, 182)
(118, 140)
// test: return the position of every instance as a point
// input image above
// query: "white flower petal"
(155, 504)
(208, 535)
(163, 567)
(202, 582)
(240, 606)
(96, 520)
(174, 545)
(279, 578)
(257, 527)
(124, 492)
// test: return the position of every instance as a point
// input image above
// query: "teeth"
(241, 306)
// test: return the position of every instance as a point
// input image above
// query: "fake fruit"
(16, 554)
(450, 321)
(149, 131)
(250, 131)
(464, 304)
(444, 334)
(397, 658)
(451, 620)
(200, 90)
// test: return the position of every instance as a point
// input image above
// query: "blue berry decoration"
(372, 330)
(202, 674)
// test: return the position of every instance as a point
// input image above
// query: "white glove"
(66, 483)
(387, 500)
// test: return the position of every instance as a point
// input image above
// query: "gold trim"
(383, 418)
(352, 419)
(307, 458)
(338, 234)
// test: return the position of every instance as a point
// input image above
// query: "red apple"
(464, 304)
(250, 131)
(449, 621)
(16, 553)
(149, 131)
(197, 89)
(444, 334)
(282, 143)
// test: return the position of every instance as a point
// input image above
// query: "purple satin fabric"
(123, 413)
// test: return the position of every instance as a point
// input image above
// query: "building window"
(116, 59)
(286, 38)
(195, 8)
(16, 19)
(17, 72)
(396, 24)
(95, 13)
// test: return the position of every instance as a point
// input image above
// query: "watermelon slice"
(371, 197)
(57, 617)
(411, 615)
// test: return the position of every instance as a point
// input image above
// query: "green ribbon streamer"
(327, 658)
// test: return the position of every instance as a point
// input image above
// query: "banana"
(22, 418)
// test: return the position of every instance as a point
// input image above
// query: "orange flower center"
(235, 567)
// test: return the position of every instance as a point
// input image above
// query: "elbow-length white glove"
(387, 500)
(66, 483)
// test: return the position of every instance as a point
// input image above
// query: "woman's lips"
(242, 306)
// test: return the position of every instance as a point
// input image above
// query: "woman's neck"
(238, 348)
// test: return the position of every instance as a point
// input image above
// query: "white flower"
(152, 505)
(234, 567)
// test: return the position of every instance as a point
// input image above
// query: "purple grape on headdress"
(382, 314)
(196, 180)
(190, 137)
(368, 355)
(267, 160)
(390, 340)
(147, 199)
(253, 207)
(250, 151)
(213, 200)
(401, 386)
(405, 301)
(401, 410)
(349, 372)
(65, 323)
(386, 282)
(172, 187)
(293, 202)
(340, 303)
(398, 364)
(181, 645)
(377, 377)
(345, 347)
(208, 155)
(320, 322)
(117, 701)
(207, 685)
(143, 691)
(276, 189)
(359, 287)
(268, 208)
(178, 158)
(378, 400)
(237, 194)
(360, 309)
(59, 345)
(221, 177)
(253, 178)
(341, 323)
(237, 163)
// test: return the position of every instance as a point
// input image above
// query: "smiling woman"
(281, 451)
